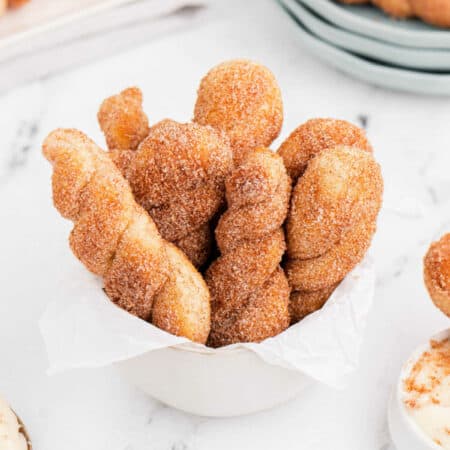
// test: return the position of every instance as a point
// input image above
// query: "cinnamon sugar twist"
(435, 12)
(116, 239)
(334, 205)
(249, 291)
(176, 171)
(243, 99)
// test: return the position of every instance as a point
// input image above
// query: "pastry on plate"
(435, 12)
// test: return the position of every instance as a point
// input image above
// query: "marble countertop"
(95, 409)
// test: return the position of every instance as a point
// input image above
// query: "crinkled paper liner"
(82, 328)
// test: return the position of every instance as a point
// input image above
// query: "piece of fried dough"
(332, 267)
(437, 273)
(178, 175)
(241, 98)
(316, 135)
(116, 239)
(354, 179)
(124, 124)
(303, 303)
(249, 290)
(337, 189)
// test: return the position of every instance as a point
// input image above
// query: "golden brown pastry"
(117, 240)
(338, 189)
(310, 138)
(241, 98)
(303, 303)
(178, 175)
(176, 171)
(333, 211)
(124, 124)
(249, 291)
(435, 12)
(437, 273)
(332, 217)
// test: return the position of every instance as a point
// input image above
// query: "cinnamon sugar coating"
(316, 135)
(332, 267)
(249, 291)
(116, 239)
(332, 218)
(437, 273)
(337, 190)
(435, 12)
(124, 124)
(241, 98)
(178, 175)
(303, 303)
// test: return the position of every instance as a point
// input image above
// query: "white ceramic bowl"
(405, 433)
(222, 384)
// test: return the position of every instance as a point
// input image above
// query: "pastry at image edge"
(434, 12)
(116, 239)
(437, 273)
(11, 433)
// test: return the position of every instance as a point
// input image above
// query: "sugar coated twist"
(116, 239)
(249, 290)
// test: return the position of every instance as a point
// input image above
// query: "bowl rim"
(406, 368)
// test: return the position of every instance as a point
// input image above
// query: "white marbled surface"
(95, 409)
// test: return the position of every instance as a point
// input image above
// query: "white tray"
(48, 35)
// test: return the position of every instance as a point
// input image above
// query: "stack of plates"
(362, 41)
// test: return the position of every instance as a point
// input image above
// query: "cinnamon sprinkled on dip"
(427, 393)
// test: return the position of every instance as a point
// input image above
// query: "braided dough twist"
(176, 171)
(249, 291)
(117, 240)
(243, 99)
(334, 205)
(435, 12)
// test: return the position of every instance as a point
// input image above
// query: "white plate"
(393, 54)
(371, 72)
(372, 22)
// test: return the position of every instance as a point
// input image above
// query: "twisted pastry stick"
(124, 124)
(249, 291)
(333, 208)
(177, 173)
(243, 99)
(116, 239)
(437, 273)
(350, 180)
(435, 12)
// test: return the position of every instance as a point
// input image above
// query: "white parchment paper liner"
(82, 328)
